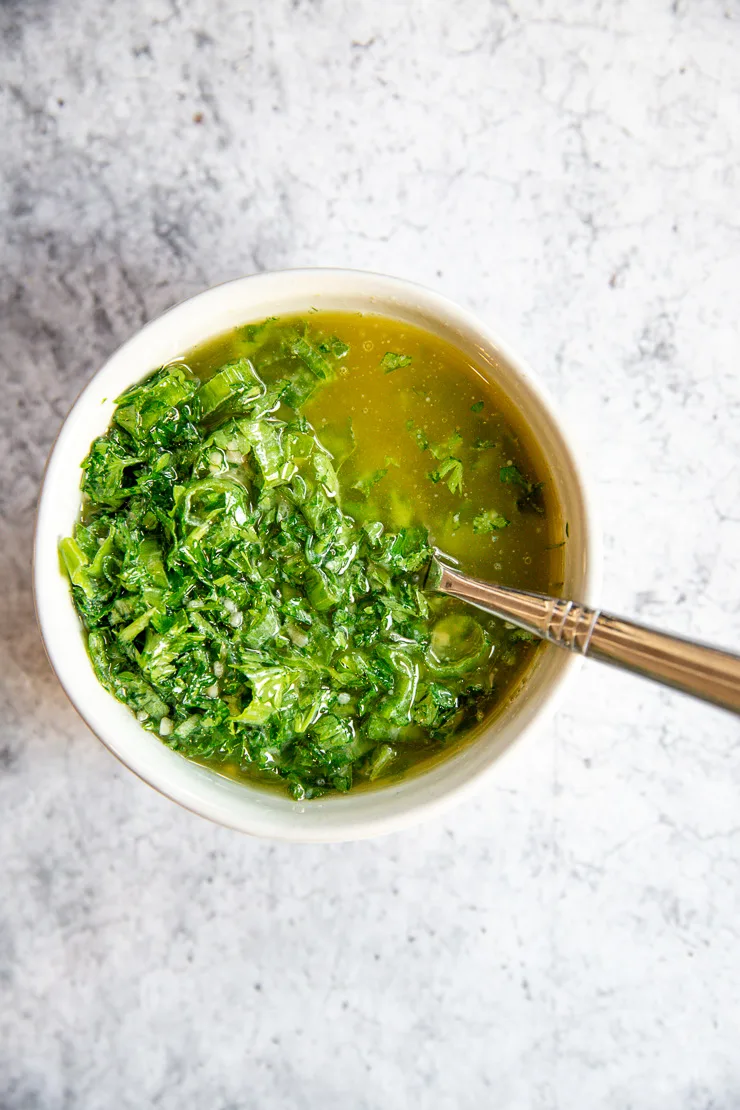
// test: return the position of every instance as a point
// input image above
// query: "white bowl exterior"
(256, 811)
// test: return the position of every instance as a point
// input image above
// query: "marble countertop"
(571, 172)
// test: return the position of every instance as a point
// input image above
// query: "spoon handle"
(697, 669)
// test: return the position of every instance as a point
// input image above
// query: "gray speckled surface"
(570, 171)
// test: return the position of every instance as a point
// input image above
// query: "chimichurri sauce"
(256, 523)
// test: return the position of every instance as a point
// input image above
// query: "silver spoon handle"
(695, 668)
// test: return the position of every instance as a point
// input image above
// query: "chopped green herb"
(531, 496)
(450, 471)
(489, 521)
(364, 485)
(510, 651)
(235, 382)
(334, 346)
(513, 476)
(252, 332)
(312, 356)
(239, 592)
(477, 407)
(382, 758)
(391, 361)
(445, 449)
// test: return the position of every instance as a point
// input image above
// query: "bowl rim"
(438, 307)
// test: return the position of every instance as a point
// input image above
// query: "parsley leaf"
(312, 356)
(231, 601)
(391, 361)
(531, 496)
(450, 470)
(364, 485)
(512, 476)
(477, 407)
(335, 347)
(444, 449)
(489, 521)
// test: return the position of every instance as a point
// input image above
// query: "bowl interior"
(203, 790)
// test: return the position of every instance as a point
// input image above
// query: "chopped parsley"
(232, 602)
(392, 361)
(445, 449)
(451, 472)
(489, 521)
(450, 469)
(334, 346)
(252, 332)
(512, 476)
(530, 498)
(363, 485)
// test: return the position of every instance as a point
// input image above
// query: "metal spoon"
(694, 668)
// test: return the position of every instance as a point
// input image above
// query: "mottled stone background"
(569, 169)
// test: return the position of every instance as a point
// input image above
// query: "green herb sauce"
(256, 523)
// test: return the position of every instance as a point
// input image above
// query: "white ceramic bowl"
(337, 817)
